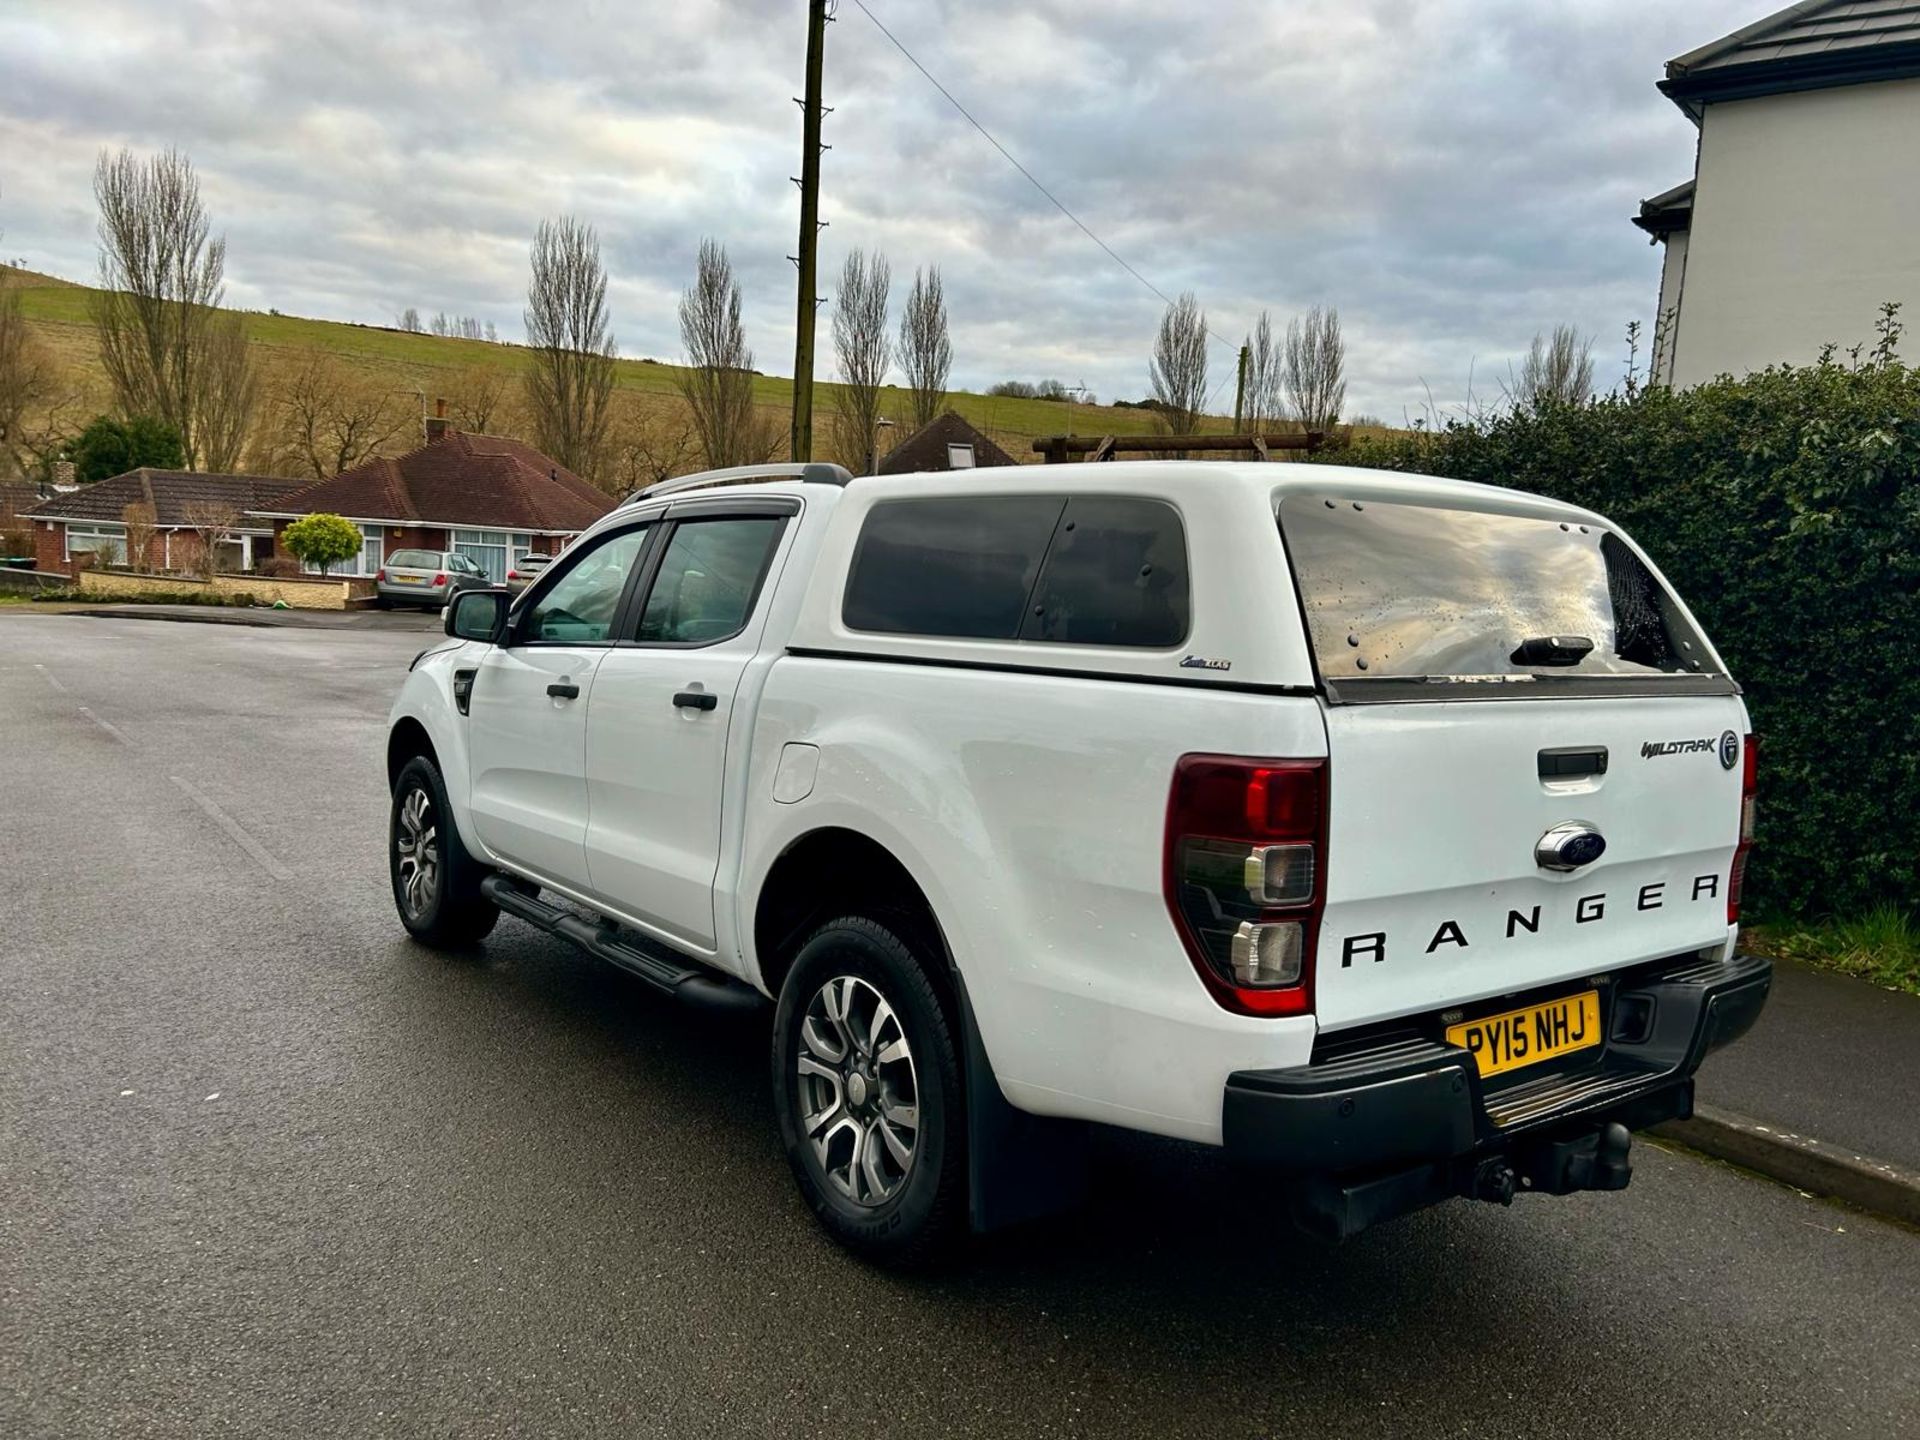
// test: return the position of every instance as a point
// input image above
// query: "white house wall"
(1806, 219)
(1673, 271)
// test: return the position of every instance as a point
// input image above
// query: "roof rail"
(812, 473)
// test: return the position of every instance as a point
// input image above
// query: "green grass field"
(60, 312)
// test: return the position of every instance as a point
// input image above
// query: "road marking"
(107, 726)
(239, 836)
(47, 675)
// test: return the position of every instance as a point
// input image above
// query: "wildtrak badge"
(1655, 748)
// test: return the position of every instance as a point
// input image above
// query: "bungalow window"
(107, 541)
(492, 550)
(367, 562)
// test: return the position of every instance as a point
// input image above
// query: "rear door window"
(1091, 570)
(1429, 594)
(709, 579)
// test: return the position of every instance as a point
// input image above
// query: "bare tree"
(1178, 368)
(492, 336)
(926, 354)
(410, 320)
(138, 518)
(718, 381)
(167, 350)
(325, 416)
(214, 522)
(1264, 401)
(440, 325)
(476, 396)
(27, 377)
(229, 391)
(569, 377)
(1556, 370)
(861, 346)
(650, 443)
(1313, 369)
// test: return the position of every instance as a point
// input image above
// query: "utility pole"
(1240, 393)
(819, 12)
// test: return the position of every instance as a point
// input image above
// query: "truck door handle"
(563, 690)
(696, 700)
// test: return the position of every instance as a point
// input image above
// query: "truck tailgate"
(1436, 892)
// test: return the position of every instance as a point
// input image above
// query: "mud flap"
(1020, 1167)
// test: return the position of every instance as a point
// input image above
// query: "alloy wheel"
(858, 1094)
(416, 844)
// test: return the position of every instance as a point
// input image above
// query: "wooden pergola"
(1061, 448)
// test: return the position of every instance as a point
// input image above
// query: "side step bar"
(659, 967)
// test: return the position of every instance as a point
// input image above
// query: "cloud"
(1453, 174)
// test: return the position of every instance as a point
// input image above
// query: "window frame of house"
(373, 548)
(95, 529)
(481, 545)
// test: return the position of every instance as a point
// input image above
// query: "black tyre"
(866, 1086)
(436, 883)
(381, 602)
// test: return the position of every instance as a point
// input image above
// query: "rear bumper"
(1412, 1112)
(415, 594)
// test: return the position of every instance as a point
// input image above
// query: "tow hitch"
(1596, 1160)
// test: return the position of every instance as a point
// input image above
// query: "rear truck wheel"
(436, 883)
(867, 1090)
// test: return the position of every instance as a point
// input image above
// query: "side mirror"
(478, 615)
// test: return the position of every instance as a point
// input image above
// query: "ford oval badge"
(1569, 846)
(1729, 750)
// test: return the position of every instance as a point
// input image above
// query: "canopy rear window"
(1438, 596)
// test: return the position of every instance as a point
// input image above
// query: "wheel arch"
(836, 870)
(405, 740)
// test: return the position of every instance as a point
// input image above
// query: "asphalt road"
(266, 1168)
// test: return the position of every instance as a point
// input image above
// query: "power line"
(1032, 180)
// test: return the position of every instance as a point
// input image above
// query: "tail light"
(1245, 875)
(1749, 786)
(513, 574)
(380, 574)
(440, 579)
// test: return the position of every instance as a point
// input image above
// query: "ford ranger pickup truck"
(1386, 831)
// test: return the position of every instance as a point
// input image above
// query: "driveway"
(267, 1168)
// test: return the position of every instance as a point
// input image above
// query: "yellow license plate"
(409, 580)
(1528, 1036)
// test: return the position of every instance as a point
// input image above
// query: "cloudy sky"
(1452, 174)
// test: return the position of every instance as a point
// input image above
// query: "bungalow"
(94, 518)
(485, 496)
(947, 442)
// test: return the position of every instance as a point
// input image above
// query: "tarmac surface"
(266, 1168)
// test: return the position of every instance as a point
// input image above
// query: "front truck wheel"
(866, 1086)
(436, 883)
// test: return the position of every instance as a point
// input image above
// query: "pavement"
(266, 1167)
(1832, 1058)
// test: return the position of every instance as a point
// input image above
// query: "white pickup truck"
(1387, 831)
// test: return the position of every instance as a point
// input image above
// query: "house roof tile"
(171, 493)
(926, 448)
(462, 479)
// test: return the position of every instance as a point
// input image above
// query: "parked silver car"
(526, 569)
(426, 577)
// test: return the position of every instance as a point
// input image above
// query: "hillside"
(429, 364)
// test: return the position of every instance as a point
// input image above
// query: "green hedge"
(1786, 509)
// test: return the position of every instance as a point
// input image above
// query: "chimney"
(63, 475)
(437, 426)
